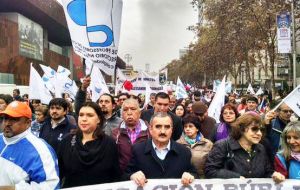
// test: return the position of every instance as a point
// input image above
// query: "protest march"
(145, 131)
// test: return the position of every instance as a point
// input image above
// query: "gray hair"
(293, 126)
(161, 115)
(132, 102)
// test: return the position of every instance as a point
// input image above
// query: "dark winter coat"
(95, 162)
(176, 162)
(228, 159)
(124, 144)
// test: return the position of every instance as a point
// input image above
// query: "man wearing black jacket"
(162, 105)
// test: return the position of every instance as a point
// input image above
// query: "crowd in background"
(120, 138)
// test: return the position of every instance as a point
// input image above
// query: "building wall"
(12, 62)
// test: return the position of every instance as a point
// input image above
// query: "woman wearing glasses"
(228, 115)
(287, 161)
(241, 155)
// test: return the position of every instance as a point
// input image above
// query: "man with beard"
(107, 104)
(27, 162)
(57, 126)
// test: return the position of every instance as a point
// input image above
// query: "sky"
(153, 31)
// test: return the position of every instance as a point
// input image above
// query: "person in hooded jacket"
(89, 156)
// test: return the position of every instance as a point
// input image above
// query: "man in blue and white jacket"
(26, 161)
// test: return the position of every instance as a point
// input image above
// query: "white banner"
(95, 29)
(199, 184)
(284, 33)
(139, 82)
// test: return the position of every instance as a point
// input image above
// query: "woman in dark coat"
(241, 155)
(89, 156)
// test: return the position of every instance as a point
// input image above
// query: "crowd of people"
(70, 143)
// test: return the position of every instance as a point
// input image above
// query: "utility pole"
(294, 44)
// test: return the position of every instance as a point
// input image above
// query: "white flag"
(49, 77)
(95, 29)
(250, 89)
(37, 89)
(259, 91)
(180, 90)
(217, 103)
(293, 100)
(63, 71)
(98, 85)
(48, 83)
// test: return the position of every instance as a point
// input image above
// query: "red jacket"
(124, 144)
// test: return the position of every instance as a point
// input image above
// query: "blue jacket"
(27, 162)
(293, 168)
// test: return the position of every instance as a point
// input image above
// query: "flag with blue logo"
(95, 29)
(180, 90)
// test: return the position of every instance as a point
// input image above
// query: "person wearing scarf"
(194, 140)
(287, 160)
(228, 115)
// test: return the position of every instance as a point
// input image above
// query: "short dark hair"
(229, 106)
(37, 101)
(197, 93)
(162, 95)
(124, 94)
(6, 98)
(239, 126)
(59, 102)
(252, 98)
(17, 91)
(191, 118)
(111, 97)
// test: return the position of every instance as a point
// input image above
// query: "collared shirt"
(134, 133)
(53, 124)
(162, 153)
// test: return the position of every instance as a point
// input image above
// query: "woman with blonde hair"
(287, 160)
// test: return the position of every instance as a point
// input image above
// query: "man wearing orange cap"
(26, 161)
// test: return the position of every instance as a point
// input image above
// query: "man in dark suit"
(161, 104)
(160, 157)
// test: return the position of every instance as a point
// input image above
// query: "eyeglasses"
(287, 111)
(228, 113)
(256, 129)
